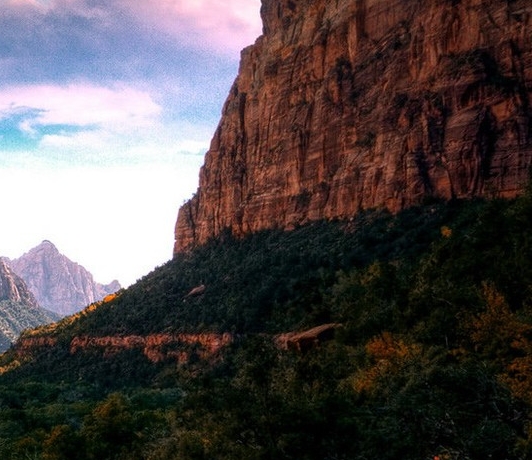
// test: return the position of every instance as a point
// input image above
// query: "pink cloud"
(224, 26)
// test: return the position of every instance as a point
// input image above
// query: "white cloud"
(106, 165)
(224, 26)
(80, 141)
(107, 194)
(84, 122)
(26, 126)
(81, 105)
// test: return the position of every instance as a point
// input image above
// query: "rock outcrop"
(18, 307)
(351, 104)
(59, 284)
(13, 288)
(307, 340)
(155, 347)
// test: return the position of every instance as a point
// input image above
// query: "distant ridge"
(59, 284)
(19, 309)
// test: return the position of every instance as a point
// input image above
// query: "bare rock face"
(351, 104)
(60, 285)
(18, 307)
(13, 288)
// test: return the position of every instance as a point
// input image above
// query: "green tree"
(63, 443)
(111, 430)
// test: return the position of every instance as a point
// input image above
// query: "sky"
(107, 108)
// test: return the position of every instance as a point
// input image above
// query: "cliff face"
(13, 288)
(60, 285)
(351, 104)
(18, 307)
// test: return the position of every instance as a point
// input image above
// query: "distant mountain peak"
(45, 246)
(59, 284)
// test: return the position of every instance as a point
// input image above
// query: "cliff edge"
(353, 104)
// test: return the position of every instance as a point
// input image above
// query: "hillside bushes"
(432, 358)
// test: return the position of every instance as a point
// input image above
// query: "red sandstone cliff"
(350, 104)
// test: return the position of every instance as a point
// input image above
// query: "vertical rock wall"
(345, 105)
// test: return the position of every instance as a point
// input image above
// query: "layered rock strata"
(351, 104)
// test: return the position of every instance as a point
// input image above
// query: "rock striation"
(59, 285)
(352, 104)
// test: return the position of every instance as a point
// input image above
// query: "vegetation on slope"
(433, 357)
(17, 316)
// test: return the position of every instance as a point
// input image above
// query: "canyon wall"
(346, 105)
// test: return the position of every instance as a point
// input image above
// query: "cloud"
(78, 114)
(218, 26)
(79, 104)
(226, 26)
(65, 126)
(106, 110)
(161, 45)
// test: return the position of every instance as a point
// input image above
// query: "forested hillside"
(429, 351)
